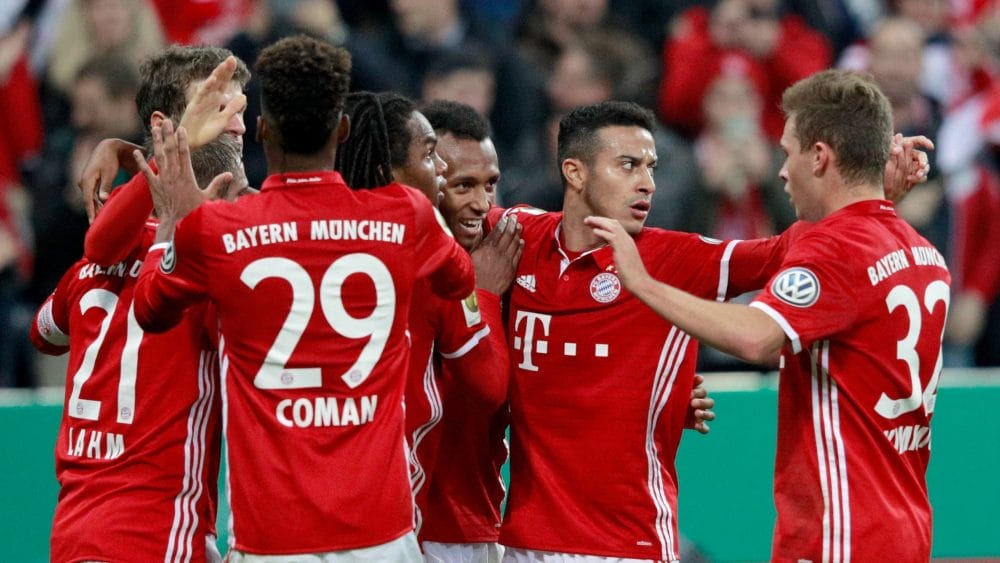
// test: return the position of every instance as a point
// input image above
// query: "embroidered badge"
(605, 287)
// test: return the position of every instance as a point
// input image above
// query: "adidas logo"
(527, 281)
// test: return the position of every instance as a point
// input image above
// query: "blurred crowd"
(712, 70)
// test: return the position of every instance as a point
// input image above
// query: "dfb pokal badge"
(605, 287)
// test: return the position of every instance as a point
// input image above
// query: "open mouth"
(640, 209)
(471, 226)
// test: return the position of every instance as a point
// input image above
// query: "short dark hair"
(115, 73)
(579, 129)
(165, 76)
(847, 111)
(303, 88)
(459, 119)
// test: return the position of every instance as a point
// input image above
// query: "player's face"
(800, 184)
(235, 127)
(470, 186)
(619, 181)
(424, 169)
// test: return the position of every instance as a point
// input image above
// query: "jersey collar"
(302, 179)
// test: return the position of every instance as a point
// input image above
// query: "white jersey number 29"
(273, 373)
(906, 349)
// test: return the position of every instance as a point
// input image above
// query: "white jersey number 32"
(906, 349)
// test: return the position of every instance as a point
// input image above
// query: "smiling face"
(470, 185)
(619, 182)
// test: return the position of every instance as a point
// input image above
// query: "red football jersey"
(600, 388)
(437, 327)
(138, 450)
(460, 502)
(313, 283)
(862, 299)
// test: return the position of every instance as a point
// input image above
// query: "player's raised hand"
(627, 260)
(700, 410)
(907, 165)
(100, 171)
(174, 187)
(495, 259)
(211, 107)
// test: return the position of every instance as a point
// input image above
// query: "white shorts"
(518, 555)
(435, 552)
(403, 550)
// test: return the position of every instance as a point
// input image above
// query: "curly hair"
(303, 85)
(164, 79)
(380, 138)
(459, 119)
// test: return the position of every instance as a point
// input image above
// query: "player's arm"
(742, 331)
(482, 365)
(115, 230)
(172, 277)
(50, 330)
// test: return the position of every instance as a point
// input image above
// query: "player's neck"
(850, 195)
(287, 162)
(575, 236)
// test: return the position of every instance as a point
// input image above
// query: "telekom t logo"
(530, 345)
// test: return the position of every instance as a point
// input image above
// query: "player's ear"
(575, 173)
(822, 158)
(259, 132)
(343, 128)
(157, 119)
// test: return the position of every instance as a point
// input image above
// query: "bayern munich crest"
(796, 286)
(605, 287)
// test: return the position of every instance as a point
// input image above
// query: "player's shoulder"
(654, 241)
(529, 217)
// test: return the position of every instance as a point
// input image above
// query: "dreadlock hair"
(379, 140)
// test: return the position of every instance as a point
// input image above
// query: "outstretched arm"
(739, 330)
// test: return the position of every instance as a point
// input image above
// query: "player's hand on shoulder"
(700, 411)
(496, 257)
